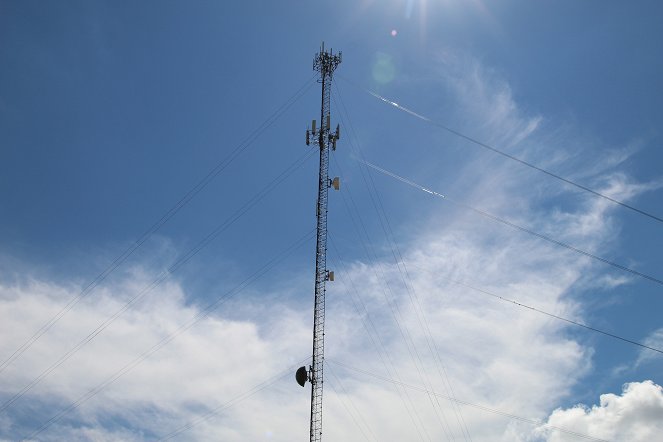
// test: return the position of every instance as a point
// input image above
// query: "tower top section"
(326, 62)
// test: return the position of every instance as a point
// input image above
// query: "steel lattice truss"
(325, 63)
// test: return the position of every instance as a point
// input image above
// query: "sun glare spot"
(384, 69)
(394, 32)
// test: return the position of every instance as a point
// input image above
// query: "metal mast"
(325, 63)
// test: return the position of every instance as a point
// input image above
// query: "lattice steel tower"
(325, 63)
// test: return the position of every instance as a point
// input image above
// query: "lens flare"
(384, 69)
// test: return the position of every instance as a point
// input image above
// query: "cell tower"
(325, 63)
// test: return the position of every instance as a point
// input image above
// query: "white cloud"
(493, 354)
(634, 416)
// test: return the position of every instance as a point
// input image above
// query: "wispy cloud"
(655, 339)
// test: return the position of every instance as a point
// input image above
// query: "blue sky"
(112, 112)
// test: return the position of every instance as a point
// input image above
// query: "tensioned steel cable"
(352, 416)
(164, 275)
(446, 427)
(223, 164)
(421, 317)
(234, 401)
(165, 341)
(469, 404)
(510, 224)
(504, 154)
(404, 332)
(379, 346)
(453, 398)
(552, 315)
